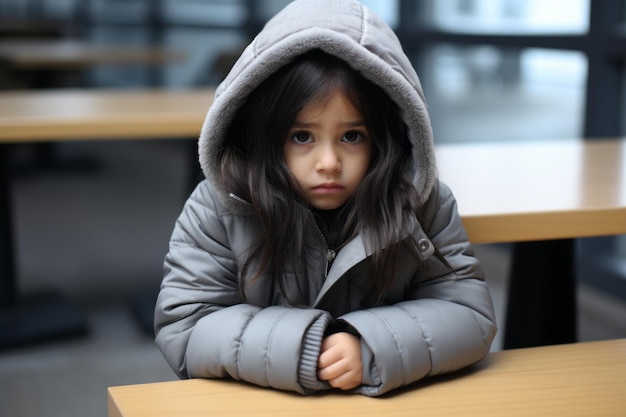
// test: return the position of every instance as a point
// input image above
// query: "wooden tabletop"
(584, 379)
(75, 54)
(525, 191)
(55, 115)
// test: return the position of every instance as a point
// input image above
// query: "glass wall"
(485, 93)
(484, 82)
(499, 17)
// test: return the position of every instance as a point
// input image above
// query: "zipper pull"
(330, 257)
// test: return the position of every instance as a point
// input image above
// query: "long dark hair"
(385, 205)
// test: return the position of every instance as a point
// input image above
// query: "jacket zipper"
(330, 253)
(237, 198)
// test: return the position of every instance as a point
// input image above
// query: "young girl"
(321, 251)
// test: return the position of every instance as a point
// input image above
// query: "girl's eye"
(353, 137)
(302, 138)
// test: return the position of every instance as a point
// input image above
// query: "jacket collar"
(355, 252)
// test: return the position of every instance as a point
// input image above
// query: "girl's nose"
(328, 160)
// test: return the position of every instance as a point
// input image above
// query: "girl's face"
(328, 151)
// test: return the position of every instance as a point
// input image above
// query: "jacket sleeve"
(205, 329)
(447, 321)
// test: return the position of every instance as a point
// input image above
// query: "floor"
(99, 238)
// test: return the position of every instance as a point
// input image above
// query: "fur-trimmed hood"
(347, 30)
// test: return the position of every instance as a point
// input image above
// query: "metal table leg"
(36, 317)
(542, 307)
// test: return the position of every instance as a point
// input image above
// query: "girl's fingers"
(328, 357)
(331, 371)
(345, 381)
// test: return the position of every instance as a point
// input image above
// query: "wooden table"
(528, 191)
(542, 195)
(584, 379)
(57, 62)
(96, 114)
(68, 54)
(46, 116)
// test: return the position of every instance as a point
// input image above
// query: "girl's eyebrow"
(348, 124)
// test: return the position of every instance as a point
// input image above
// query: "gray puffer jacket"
(434, 319)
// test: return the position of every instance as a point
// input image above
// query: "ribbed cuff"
(311, 346)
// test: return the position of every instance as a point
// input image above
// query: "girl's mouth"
(327, 188)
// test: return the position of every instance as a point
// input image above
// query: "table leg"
(7, 267)
(542, 295)
(37, 317)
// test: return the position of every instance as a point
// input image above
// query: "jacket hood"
(347, 30)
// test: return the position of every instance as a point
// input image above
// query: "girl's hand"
(340, 361)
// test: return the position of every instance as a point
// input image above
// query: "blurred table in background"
(63, 62)
(69, 54)
(541, 196)
(64, 115)
(529, 191)
(95, 114)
